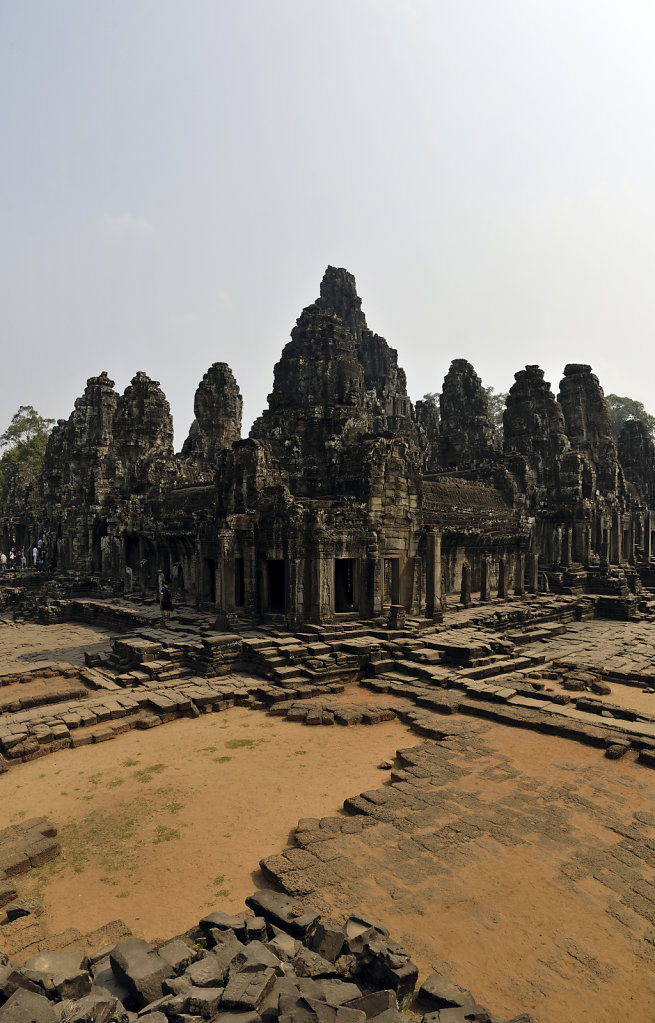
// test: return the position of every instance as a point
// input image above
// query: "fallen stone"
(439, 992)
(27, 1007)
(283, 911)
(140, 969)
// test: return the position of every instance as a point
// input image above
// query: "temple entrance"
(275, 584)
(209, 581)
(99, 531)
(239, 585)
(344, 585)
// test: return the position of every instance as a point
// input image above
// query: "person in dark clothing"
(165, 603)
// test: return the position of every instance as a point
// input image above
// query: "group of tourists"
(16, 560)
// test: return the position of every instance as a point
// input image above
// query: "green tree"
(623, 409)
(24, 442)
(496, 407)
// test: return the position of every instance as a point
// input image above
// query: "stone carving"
(468, 437)
(280, 524)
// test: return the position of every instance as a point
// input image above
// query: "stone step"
(502, 667)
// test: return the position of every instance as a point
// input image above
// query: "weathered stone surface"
(283, 911)
(468, 437)
(440, 992)
(218, 407)
(137, 966)
(27, 1007)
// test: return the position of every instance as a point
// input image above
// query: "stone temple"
(346, 499)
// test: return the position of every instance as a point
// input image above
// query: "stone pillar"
(605, 545)
(519, 575)
(485, 583)
(397, 616)
(648, 546)
(557, 545)
(580, 551)
(533, 570)
(433, 574)
(617, 539)
(566, 545)
(502, 578)
(465, 593)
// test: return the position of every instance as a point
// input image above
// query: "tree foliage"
(24, 443)
(623, 409)
(496, 407)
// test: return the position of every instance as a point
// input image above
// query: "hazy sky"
(176, 176)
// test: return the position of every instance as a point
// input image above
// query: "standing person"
(12, 559)
(23, 559)
(3, 562)
(165, 603)
(35, 554)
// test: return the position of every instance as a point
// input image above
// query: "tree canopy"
(623, 409)
(24, 442)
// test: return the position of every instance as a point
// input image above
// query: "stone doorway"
(275, 584)
(344, 585)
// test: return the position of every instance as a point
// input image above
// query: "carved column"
(502, 578)
(485, 582)
(433, 574)
(519, 575)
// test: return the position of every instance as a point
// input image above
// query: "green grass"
(146, 773)
(165, 834)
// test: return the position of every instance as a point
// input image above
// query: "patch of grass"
(165, 834)
(112, 840)
(115, 782)
(299, 752)
(174, 807)
(130, 762)
(239, 743)
(222, 760)
(207, 749)
(146, 773)
(94, 779)
(109, 880)
(221, 892)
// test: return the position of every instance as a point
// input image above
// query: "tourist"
(23, 559)
(35, 554)
(166, 604)
(12, 559)
(3, 562)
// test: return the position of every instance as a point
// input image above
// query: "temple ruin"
(346, 499)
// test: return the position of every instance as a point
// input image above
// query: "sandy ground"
(159, 827)
(27, 645)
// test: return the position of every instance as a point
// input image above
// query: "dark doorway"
(132, 552)
(210, 580)
(344, 584)
(275, 579)
(239, 585)
(391, 581)
(99, 531)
